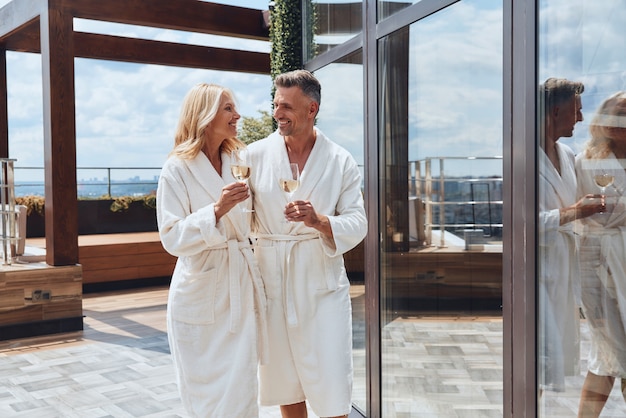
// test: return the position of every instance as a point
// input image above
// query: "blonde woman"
(603, 253)
(216, 306)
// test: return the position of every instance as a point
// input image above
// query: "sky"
(126, 113)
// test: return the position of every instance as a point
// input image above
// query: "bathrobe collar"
(212, 182)
(313, 169)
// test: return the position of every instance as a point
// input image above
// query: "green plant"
(122, 203)
(285, 37)
(32, 203)
(253, 129)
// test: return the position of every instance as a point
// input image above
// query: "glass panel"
(581, 283)
(386, 8)
(333, 23)
(440, 136)
(341, 118)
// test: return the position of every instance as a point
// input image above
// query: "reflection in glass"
(333, 22)
(341, 118)
(558, 334)
(602, 255)
(440, 117)
(387, 8)
(578, 40)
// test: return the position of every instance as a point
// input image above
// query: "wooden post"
(57, 54)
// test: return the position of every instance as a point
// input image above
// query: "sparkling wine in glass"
(289, 180)
(603, 181)
(240, 167)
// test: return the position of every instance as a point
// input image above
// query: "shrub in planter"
(98, 216)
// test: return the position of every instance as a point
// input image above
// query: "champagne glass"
(240, 167)
(289, 181)
(603, 181)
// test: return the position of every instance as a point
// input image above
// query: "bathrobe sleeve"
(348, 223)
(186, 211)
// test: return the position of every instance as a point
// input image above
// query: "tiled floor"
(120, 366)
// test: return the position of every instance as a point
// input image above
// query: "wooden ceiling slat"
(185, 15)
(88, 45)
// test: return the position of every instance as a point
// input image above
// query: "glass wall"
(440, 149)
(581, 139)
(341, 118)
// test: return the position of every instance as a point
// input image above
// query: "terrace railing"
(458, 195)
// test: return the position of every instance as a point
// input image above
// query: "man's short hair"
(303, 79)
(557, 91)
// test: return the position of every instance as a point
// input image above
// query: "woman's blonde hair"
(199, 108)
(610, 114)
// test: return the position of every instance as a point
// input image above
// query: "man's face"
(566, 115)
(293, 111)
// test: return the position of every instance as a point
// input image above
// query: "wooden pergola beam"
(144, 51)
(184, 15)
(88, 45)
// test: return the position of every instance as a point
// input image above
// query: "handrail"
(107, 182)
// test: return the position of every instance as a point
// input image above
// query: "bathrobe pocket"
(193, 300)
(268, 265)
(334, 274)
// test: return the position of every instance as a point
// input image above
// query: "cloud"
(455, 83)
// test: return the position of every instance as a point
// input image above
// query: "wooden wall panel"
(19, 281)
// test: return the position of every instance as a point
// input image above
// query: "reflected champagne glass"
(240, 167)
(289, 181)
(603, 181)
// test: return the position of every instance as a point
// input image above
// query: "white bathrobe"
(558, 284)
(309, 308)
(603, 268)
(216, 307)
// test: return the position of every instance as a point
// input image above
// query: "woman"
(603, 254)
(216, 301)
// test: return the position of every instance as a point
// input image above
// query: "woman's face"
(224, 125)
(617, 130)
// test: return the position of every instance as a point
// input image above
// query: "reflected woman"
(601, 166)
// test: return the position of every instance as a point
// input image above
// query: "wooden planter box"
(96, 217)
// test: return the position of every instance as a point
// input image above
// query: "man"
(559, 286)
(301, 239)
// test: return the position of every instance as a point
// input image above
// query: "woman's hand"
(232, 194)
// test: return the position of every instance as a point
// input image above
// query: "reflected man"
(558, 281)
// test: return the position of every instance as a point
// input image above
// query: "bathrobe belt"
(288, 297)
(234, 270)
(611, 262)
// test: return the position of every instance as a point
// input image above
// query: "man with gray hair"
(300, 241)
